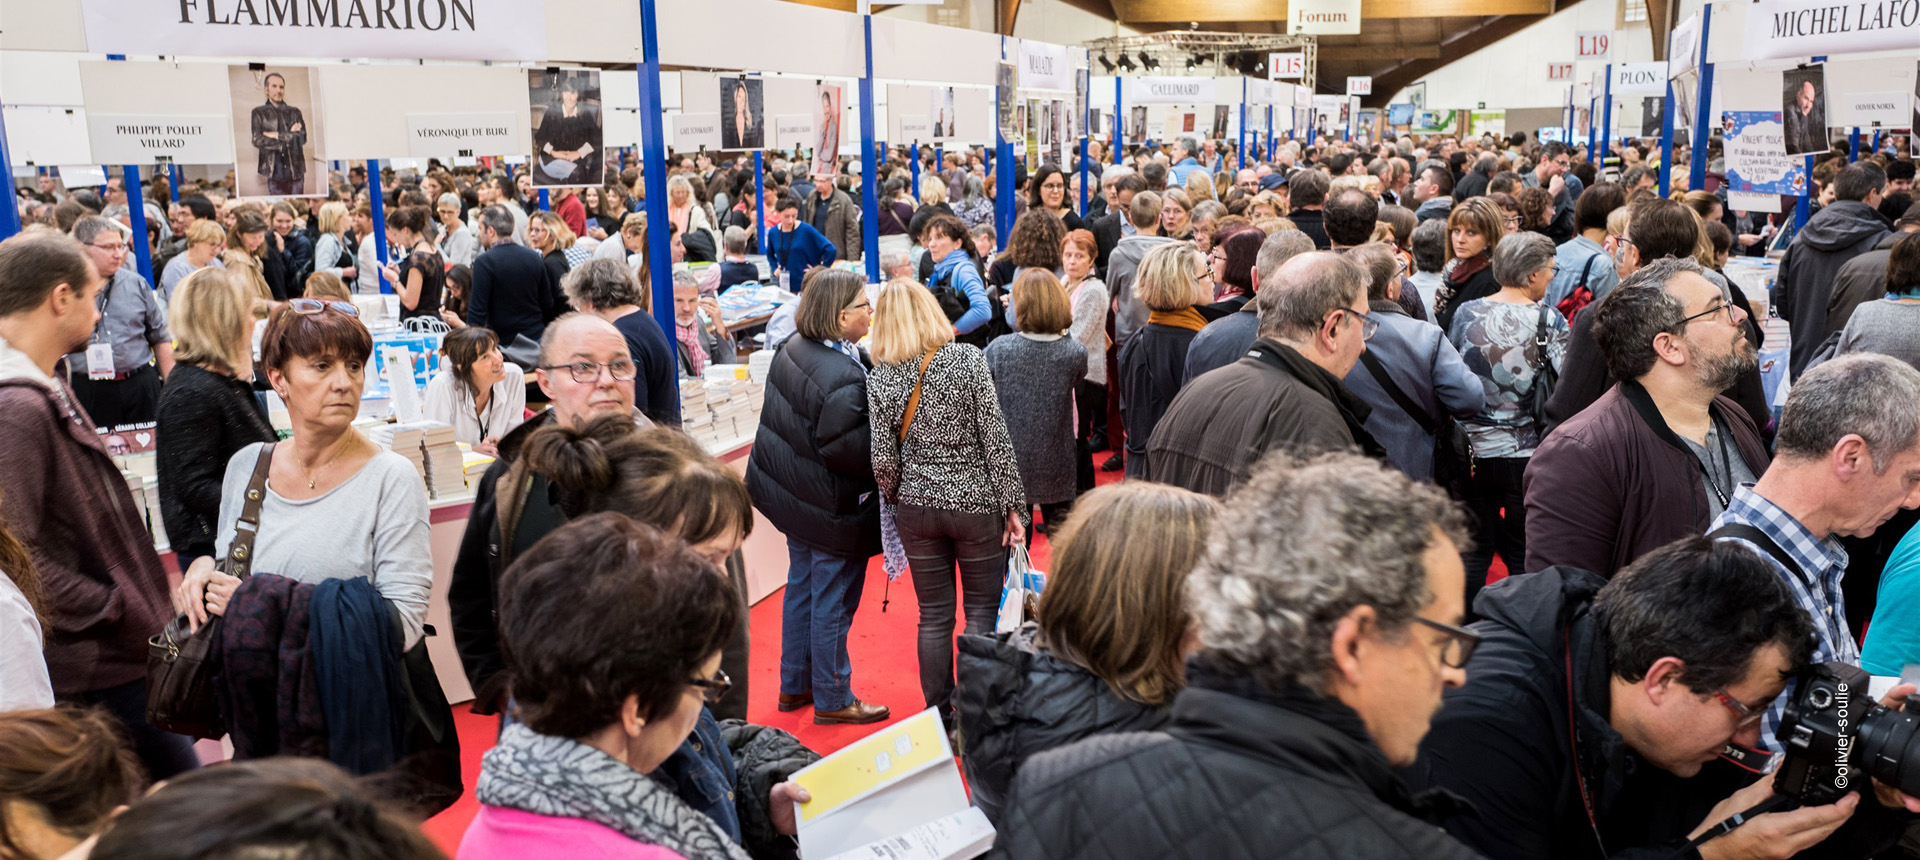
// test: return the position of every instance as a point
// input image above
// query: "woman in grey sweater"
(951, 474)
(1889, 326)
(1034, 373)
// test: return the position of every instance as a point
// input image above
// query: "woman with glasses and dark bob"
(605, 701)
(336, 505)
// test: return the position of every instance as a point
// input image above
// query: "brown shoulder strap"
(240, 552)
(913, 400)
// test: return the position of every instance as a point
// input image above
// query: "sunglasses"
(314, 306)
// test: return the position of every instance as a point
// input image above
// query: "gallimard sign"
(150, 139)
(1800, 28)
(412, 29)
(1171, 91)
(444, 135)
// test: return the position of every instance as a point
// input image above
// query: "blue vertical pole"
(1086, 140)
(1853, 145)
(1876, 139)
(1666, 142)
(913, 167)
(869, 166)
(137, 210)
(1003, 169)
(10, 212)
(379, 220)
(1593, 130)
(1802, 205)
(1702, 126)
(1243, 125)
(1606, 124)
(1119, 127)
(653, 144)
(760, 199)
(173, 183)
(545, 205)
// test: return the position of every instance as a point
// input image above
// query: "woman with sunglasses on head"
(336, 505)
(604, 701)
(1507, 338)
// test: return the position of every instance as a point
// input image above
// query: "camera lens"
(1889, 748)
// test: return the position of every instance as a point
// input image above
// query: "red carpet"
(885, 671)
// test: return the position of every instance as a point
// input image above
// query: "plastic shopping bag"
(1020, 593)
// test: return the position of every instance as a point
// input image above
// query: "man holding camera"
(1848, 459)
(1595, 714)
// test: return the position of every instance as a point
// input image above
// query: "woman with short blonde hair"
(1172, 280)
(207, 409)
(331, 248)
(949, 469)
(907, 324)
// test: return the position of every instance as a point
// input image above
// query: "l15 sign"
(1286, 67)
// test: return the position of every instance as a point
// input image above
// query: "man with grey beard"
(1660, 454)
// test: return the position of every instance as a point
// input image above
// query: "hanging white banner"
(1683, 47)
(792, 130)
(1778, 29)
(1171, 91)
(408, 29)
(696, 131)
(1640, 79)
(431, 135)
(1887, 108)
(146, 139)
(1323, 17)
(914, 129)
(1044, 66)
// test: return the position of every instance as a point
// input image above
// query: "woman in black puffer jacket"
(1107, 651)
(811, 474)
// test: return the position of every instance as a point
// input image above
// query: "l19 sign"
(1594, 44)
(1286, 67)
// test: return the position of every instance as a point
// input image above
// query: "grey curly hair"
(1302, 544)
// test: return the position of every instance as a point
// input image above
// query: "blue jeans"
(816, 613)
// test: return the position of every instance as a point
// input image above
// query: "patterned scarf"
(563, 778)
(689, 337)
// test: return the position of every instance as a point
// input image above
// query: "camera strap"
(1755, 536)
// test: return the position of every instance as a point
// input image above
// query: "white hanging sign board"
(1683, 47)
(411, 29)
(1361, 85)
(1780, 29)
(1171, 91)
(82, 175)
(1323, 17)
(147, 139)
(696, 131)
(915, 129)
(1887, 109)
(1640, 79)
(1747, 201)
(446, 135)
(793, 130)
(1044, 66)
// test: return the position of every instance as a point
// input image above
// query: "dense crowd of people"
(1458, 514)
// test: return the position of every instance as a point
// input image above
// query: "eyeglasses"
(1368, 325)
(1459, 645)
(864, 305)
(715, 688)
(1722, 306)
(1746, 715)
(314, 306)
(115, 248)
(621, 369)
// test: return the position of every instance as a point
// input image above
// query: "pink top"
(510, 834)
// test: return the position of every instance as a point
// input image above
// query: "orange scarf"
(1186, 318)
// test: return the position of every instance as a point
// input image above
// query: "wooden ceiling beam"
(1378, 53)
(1005, 13)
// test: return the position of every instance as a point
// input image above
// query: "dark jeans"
(936, 541)
(1500, 519)
(291, 187)
(114, 402)
(164, 754)
(823, 590)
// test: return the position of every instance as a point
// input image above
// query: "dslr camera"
(1836, 737)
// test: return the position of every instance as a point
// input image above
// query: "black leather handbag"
(183, 668)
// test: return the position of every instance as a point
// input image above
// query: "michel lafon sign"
(412, 29)
(1778, 29)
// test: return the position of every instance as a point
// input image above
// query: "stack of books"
(473, 464)
(446, 470)
(402, 439)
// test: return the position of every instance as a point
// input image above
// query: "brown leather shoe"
(793, 703)
(858, 713)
